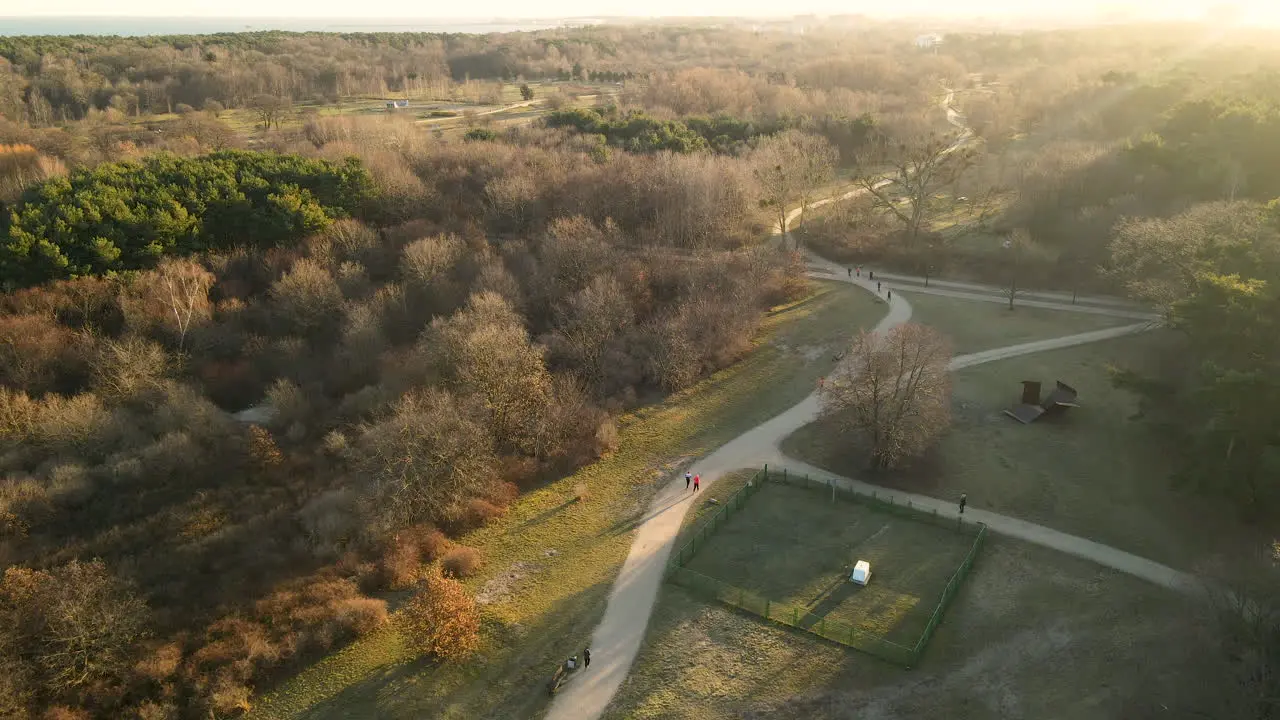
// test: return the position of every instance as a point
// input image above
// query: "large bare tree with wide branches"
(893, 392)
(907, 167)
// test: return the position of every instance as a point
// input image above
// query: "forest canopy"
(127, 215)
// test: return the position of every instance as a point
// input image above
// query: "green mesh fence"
(796, 617)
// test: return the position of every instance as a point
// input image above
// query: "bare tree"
(269, 109)
(904, 174)
(425, 460)
(483, 351)
(184, 287)
(307, 299)
(790, 167)
(426, 260)
(1016, 246)
(591, 319)
(77, 624)
(894, 391)
(125, 367)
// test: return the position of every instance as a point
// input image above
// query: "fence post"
(784, 475)
(766, 609)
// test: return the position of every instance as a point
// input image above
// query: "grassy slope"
(974, 326)
(1032, 634)
(766, 550)
(1095, 471)
(557, 558)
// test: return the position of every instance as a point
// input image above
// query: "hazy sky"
(1258, 10)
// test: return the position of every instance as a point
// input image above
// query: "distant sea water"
(205, 25)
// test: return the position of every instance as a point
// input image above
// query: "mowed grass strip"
(797, 546)
(550, 562)
(974, 325)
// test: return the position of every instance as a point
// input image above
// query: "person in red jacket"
(697, 481)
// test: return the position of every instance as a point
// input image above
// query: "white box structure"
(861, 572)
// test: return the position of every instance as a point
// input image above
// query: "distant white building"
(928, 42)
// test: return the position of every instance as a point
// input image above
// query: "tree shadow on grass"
(546, 515)
(507, 679)
(834, 598)
(626, 525)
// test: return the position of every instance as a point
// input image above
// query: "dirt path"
(618, 638)
(1013, 527)
(909, 282)
(1022, 301)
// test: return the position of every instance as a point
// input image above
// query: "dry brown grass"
(21, 166)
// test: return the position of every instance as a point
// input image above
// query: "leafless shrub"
(461, 561)
(331, 520)
(125, 368)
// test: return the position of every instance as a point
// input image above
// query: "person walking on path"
(890, 293)
(877, 287)
(688, 478)
(871, 274)
(964, 500)
(586, 658)
(697, 480)
(850, 271)
(858, 270)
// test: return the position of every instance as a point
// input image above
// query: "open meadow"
(974, 326)
(1095, 471)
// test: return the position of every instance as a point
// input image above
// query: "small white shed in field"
(861, 572)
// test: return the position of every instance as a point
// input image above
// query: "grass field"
(551, 561)
(974, 325)
(1032, 634)
(797, 546)
(457, 100)
(1095, 471)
